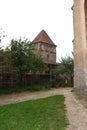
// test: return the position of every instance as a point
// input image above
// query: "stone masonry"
(45, 47)
(80, 45)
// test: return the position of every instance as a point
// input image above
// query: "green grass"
(42, 114)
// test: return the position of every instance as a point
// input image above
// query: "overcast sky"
(26, 18)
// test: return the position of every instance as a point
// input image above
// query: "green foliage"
(68, 64)
(38, 64)
(24, 59)
(7, 72)
(66, 68)
(18, 89)
(21, 54)
(17, 60)
(42, 114)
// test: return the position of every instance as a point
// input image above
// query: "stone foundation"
(80, 81)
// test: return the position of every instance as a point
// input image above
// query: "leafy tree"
(21, 55)
(5, 61)
(66, 67)
(38, 65)
(23, 58)
(68, 64)
(6, 68)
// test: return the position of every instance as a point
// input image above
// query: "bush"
(34, 87)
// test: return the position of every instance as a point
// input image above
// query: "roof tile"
(43, 37)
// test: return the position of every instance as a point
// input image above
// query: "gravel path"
(76, 112)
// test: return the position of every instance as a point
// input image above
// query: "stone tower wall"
(80, 47)
(48, 52)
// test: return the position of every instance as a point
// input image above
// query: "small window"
(42, 47)
(47, 56)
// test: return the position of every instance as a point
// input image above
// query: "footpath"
(76, 112)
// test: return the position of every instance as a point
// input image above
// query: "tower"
(45, 47)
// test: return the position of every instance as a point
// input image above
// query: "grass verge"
(42, 114)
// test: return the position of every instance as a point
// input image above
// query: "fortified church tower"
(45, 47)
(80, 45)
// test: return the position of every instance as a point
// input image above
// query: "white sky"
(26, 18)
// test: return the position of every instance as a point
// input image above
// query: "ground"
(76, 112)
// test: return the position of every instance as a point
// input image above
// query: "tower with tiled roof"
(45, 47)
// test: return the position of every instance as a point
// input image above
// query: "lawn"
(42, 114)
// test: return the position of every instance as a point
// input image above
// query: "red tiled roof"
(43, 37)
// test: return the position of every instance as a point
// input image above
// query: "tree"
(21, 55)
(23, 58)
(38, 64)
(66, 67)
(7, 71)
(68, 64)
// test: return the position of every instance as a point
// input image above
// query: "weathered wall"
(80, 47)
(48, 52)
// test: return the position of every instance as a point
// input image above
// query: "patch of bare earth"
(76, 112)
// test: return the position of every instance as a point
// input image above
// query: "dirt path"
(76, 112)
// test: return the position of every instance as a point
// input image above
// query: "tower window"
(47, 56)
